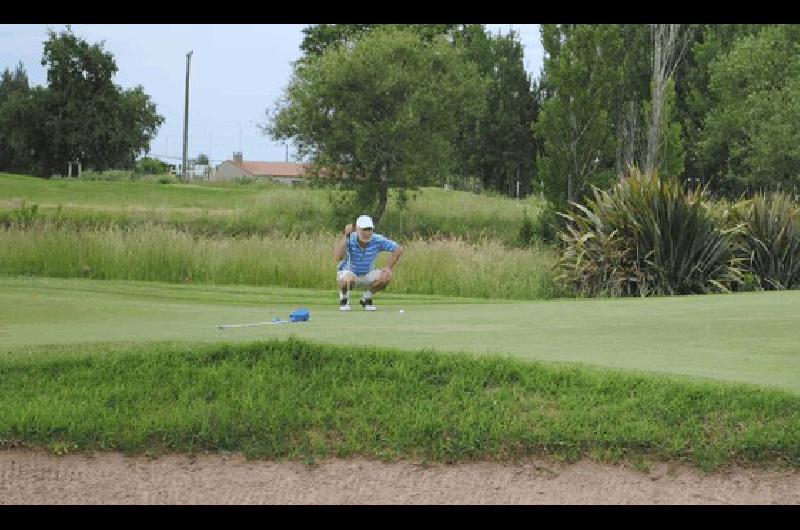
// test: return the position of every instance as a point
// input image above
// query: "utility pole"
(186, 122)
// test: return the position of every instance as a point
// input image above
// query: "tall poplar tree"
(580, 71)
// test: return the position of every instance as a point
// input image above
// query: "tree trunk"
(657, 98)
(669, 44)
(383, 195)
(574, 152)
(381, 178)
(629, 153)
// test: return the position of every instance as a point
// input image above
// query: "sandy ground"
(36, 477)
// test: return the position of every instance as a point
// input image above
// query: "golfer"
(356, 254)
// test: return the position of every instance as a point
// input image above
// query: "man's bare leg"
(374, 287)
(346, 284)
(378, 285)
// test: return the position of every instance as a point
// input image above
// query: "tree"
(82, 116)
(669, 44)
(693, 95)
(14, 92)
(202, 159)
(13, 83)
(151, 166)
(318, 37)
(628, 99)
(580, 73)
(382, 111)
(498, 145)
(643, 106)
(753, 124)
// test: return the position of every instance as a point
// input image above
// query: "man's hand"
(339, 251)
(386, 275)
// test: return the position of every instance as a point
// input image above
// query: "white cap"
(364, 221)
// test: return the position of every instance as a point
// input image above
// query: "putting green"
(751, 337)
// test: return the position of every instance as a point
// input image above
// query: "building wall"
(291, 181)
(228, 171)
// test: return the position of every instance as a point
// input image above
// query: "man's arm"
(338, 251)
(388, 271)
(394, 256)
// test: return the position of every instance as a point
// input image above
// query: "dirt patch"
(35, 477)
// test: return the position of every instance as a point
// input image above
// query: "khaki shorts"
(361, 281)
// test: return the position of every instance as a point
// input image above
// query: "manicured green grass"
(229, 209)
(452, 267)
(294, 399)
(749, 337)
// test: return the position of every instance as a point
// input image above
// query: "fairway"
(751, 338)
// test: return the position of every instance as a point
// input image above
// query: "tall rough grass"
(455, 267)
(647, 236)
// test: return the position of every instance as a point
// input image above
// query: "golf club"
(226, 326)
(347, 282)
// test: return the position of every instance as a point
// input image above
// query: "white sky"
(238, 71)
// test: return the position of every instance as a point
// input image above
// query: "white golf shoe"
(368, 305)
(344, 304)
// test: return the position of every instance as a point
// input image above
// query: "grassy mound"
(295, 399)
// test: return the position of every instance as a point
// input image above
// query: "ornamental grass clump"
(647, 236)
(770, 242)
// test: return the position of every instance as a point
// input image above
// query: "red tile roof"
(274, 169)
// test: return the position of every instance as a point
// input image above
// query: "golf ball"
(402, 311)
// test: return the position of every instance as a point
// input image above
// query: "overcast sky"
(238, 71)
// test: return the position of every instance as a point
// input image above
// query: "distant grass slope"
(294, 399)
(258, 208)
(748, 338)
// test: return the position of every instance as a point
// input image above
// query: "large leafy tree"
(383, 111)
(92, 119)
(497, 147)
(581, 72)
(82, 116)
(753, 123)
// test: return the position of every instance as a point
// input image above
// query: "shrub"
(770, 242)
(167, 179)
(547, 224)
(647, 236)
(23, 213)
(151, 166)
(526, 231)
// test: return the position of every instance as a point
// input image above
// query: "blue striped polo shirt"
(361, 259)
